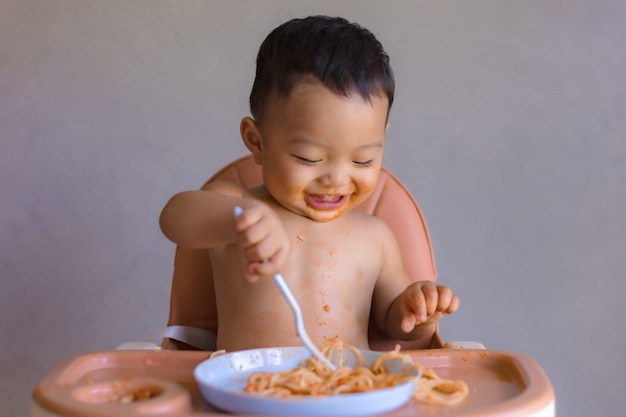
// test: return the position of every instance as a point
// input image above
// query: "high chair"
(192, 320)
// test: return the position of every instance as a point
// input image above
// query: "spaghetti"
(313, 378)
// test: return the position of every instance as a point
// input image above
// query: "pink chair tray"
(113, 383)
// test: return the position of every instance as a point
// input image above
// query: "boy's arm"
(405, 309)
(203, 218)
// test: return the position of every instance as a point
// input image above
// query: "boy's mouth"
(325, 201)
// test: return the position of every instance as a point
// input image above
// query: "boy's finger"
(252, 254)
(268, 266)
(265, 268)
(445, 296)
(454, 305)
(252, 274)
(408, 323)
(252, 236)
(416, 305)
(431, 297)
(243, 220)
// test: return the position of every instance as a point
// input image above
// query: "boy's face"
(320, 152)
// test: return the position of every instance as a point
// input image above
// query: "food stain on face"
(323, 215)
(326, 308)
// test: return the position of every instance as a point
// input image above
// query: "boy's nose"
(334, 177)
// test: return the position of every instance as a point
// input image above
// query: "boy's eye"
(364, 163)
(306, 161)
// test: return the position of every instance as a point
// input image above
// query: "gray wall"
(509, 127)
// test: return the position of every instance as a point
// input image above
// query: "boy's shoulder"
(224, 187)
(369, 222)
(232, 188)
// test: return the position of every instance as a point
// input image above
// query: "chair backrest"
(192, 301)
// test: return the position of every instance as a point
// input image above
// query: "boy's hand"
(425, 302)
(264, 241)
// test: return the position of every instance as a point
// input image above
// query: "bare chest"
(333, 262)
(331, 271)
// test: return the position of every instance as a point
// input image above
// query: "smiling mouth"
(325, 201)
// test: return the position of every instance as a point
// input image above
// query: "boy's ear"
(251, 136)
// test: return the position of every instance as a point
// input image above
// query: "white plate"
(222, 381)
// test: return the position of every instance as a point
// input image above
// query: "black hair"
(343, 56)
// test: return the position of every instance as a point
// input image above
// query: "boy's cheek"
(364, 190)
